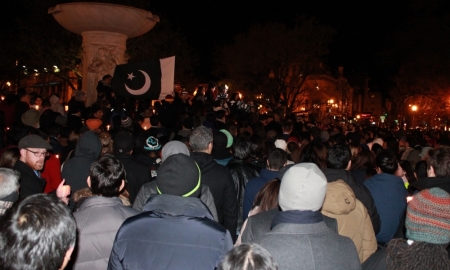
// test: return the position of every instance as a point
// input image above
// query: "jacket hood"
(205, 161)
(340, 198)
(171, 205)
(54, 99)
(89, 145)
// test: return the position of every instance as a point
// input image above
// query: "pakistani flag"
(152, 79)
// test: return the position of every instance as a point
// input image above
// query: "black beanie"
(179, 175)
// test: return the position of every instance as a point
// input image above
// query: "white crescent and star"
(143, 89)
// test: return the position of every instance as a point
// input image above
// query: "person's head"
(242, 149)
(96, 111)
(154, 120)
(106, 177)
(31, 118)
(386, 162)
(405, 170)
(376, 148)
(316, 153)
(248, 257)
(123, 142)
(420, 169)
(9, 183)
(303, 187)
(184, 95)
(277, 158)
(172, 148)
(107, 79)
(267, 197)
(37, 233)
(201, 139)
(33, 150)
(439, 162)
(364, 159)
(428, 217)
(179, 175)
(9, 157)
(107, 143)
(339, 157)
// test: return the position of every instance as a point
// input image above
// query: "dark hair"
(242, 149)
(386, 161)
(421, 169)
(406, 166)
(267, 196)
(338, 156)
(10, 157)
(154, 120)
(365, 159)
(376, 148)
(106, 176)
(248, 257)
(418, 255)
(107, 76)
(36, 233)
(277, 158)
(316, 153)
(439, 159)
(220, 114)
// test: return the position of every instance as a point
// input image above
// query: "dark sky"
(364, 28)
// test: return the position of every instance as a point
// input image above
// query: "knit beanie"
(220, 149)
(152, 144)
(93, 124)
(428, 217)
(303, 187)
(179, 175)
(280, 143)
(126, 122)
(172, 148)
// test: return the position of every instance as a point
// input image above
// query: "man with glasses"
(33, 151)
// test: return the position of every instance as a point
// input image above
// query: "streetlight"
(414, 109)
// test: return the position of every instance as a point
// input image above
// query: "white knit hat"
(280, 143)
(303, 187)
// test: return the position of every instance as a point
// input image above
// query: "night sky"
(364, 28)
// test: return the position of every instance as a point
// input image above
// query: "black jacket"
(260, 223)
(137, 174)
(30, 183)
(361, 193)
(221, 185)
(430, 182)
(242, 172)
(174, 233)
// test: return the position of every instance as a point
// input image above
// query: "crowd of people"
(206, 182)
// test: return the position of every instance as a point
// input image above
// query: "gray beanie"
(172, 148)
(303, 187)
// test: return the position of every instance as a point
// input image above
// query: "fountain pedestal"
(105, 29)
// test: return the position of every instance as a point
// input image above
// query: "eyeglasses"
(38, 154)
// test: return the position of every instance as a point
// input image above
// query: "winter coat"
(52, 173)
(430, 182)
(98, 220)
(137, 174)
(29, 182)
(389, 194)
(173, 233)
(352, 217)
(149, 189)
(242, 172)
(309, 246)
(253, 187)
(221, 185)
(361, 193)
(76, 170)
(260, 223)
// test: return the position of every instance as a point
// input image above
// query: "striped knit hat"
(428, 217)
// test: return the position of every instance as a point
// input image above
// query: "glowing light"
(240, 96)
(107, 127)
(8, 83)
(414, 108)
(66, 108)
(358, 116)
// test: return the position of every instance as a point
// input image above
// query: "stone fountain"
(105, 29)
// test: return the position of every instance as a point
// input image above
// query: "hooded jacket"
(173, 233)
(149, 189)
(361, 193)
(76, 170)
(352, 217)
(220, 183)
